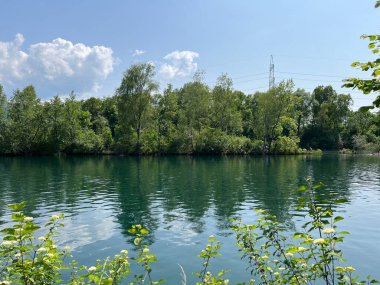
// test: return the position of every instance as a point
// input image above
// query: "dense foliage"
(311, 255)
(193, 119)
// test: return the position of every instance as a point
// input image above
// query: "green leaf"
(303, 188)
(137, 241)
(144, 232)
(18, 206)
(341, 200)
(366, 108)
(338, 218)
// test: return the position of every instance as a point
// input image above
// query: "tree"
(194, 102)
(26, 120)
(134, 99)
(329, 113)
(271, 106)
(225, 107)
(302, 109)
(167, 118)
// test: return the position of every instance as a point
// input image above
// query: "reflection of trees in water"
(173, 192)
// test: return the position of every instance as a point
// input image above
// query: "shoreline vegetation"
(194, 119)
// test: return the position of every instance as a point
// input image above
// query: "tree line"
(192, 119)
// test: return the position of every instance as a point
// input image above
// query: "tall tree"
(26, 120)
(329, 113)
(167, 118)
(194, 102)
(225, 107)
(302, 109)
(134, 98)
(271, 106)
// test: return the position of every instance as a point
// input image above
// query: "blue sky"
(86, 45)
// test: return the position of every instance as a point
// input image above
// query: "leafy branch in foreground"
(310, 256)
(211, 251)
(368, 85)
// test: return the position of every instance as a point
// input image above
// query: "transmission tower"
(271, 73)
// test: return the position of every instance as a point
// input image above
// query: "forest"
(193, 119)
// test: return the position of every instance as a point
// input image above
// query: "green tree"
(134, 100)
(99, 123)
(167, 119)
(195, 103)
(56, 129)
(225, 107)
(302, 109)
(329, 114)
(26, 120)
(271, 106)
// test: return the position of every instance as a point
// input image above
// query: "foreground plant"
(310, 256)
(27, 260)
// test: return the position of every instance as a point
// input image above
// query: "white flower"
(319, 241)
(124, 251)
(28, 219)
(146, 250)
(4, 282)
(288, 254)
(7, 243)
(42, 238)
(301, 249)
(66, 248)
(92, 268)
(18, 231)
(55, 217)
(42, 249)
(328, 231)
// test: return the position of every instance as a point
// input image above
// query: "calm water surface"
(182, 200)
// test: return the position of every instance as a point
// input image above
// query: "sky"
(86, 46)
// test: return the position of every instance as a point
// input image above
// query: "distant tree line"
(193, 119)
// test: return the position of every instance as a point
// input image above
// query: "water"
(182, 200)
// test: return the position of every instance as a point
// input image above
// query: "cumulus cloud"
(59, 63)
(138, 52)
(179, 64)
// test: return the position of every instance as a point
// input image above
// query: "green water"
(182, 200)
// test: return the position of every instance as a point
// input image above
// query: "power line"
(311, 74)
(314, 80)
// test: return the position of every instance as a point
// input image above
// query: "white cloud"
(60, 64)
(179, 64)
(138, 52)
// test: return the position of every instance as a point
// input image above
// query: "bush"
(286, 145)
